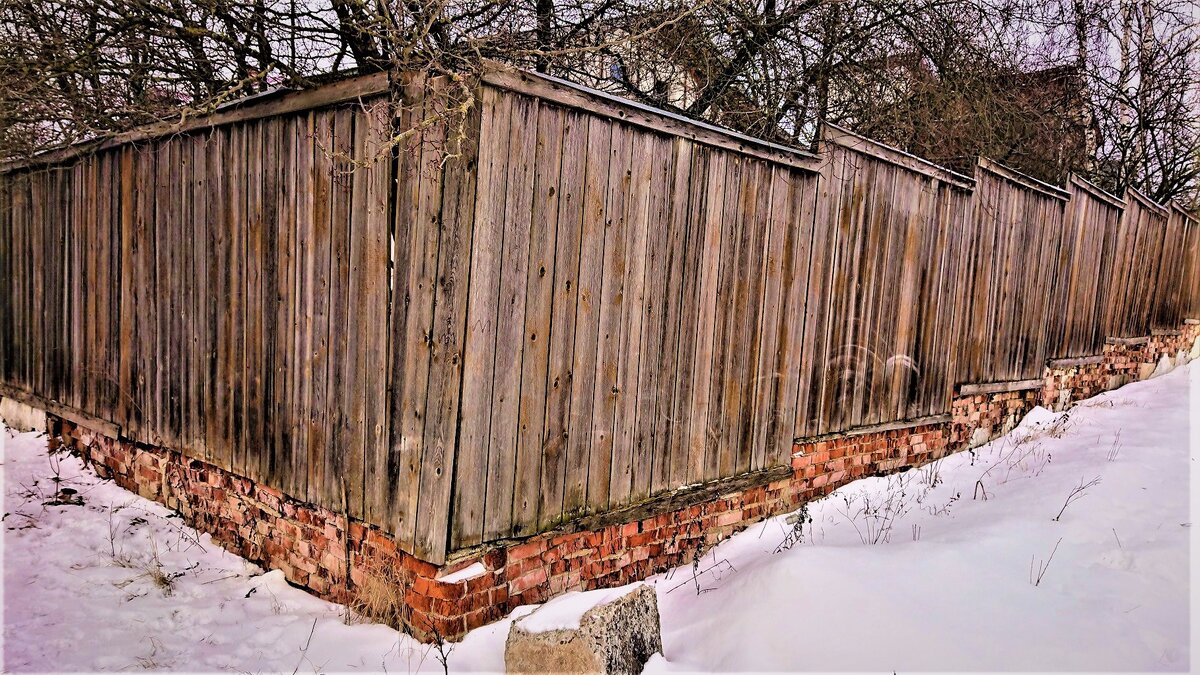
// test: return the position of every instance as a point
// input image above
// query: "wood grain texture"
(580, 310)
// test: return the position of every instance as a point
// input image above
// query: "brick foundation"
(312, 545)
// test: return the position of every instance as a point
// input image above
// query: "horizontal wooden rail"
(928, 420)
(1024, 180)
(1148, 202)
(831, 133)
(1095, 191)
(1127, 341)
(999, 387)
(600, 103)
(262, 106)
(1075, 362)
(64, 411)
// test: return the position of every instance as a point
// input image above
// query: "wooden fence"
(594, 303)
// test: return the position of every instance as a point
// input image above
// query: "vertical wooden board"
(611, 303)
(36, 280)
(269, 178)
(909, 307)
(872, 228)
(125, 313)
(920, 384)
(1052, 268)
(162, 275)
(340, 195)
(899, 297)
(180, 172)
(280, 189)
(415, 241)
(449, 325)
(583, 365)
(92, 364)
(317, 356)
(52, 312)
(885, 226)
(796, 268)
(510, 322)
(740, 421)
(39, 236)
(359, 313)
(826, 202)
(778, 250)
(539, 296)
(896, 297)
(234, 366)
(629, 465)
(718, 455)
(196, 234)
(689, 211)
(7, 278)
(817, 319)
(559, 377)
(97, 282)
(64, 272)
(709, 267)
(147, 306)
(1122, 271)
(215, 231)
(184, 196)
(255, 373)
(651, 466)
(844, 302)
(668, 465)
(480, 344)
(418, 195)
(304, 298)
(376, 268)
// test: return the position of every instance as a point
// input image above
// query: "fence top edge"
(1024, 180)
(1189, 216)
(250, 108)
(840, 136)
(1160, 209)
(578, 96)
(1097, 191)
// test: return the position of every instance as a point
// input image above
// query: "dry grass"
(379, 597)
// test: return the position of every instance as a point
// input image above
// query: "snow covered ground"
(950, 582)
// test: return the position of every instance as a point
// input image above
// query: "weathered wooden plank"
(255, 372)
(669, 466)
(416, 253)
(539, 297)
(719, 455)
(651, 470)
(740, 421)
(373, 125)
(284, 329)
(709, 241)
(480, 343)
(688, 207)
(778, 250)
(316, 366)
(559, 377)
(510, 322)
(449, 327)
(611, 301)
(336, 467)
(215, 230)
(587, 318)
(203, 300)
(627, 464)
